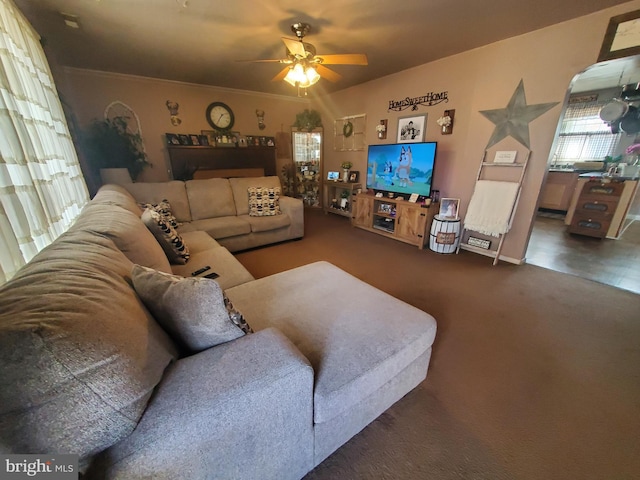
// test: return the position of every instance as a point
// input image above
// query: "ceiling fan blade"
(344, 59)
(281, 75)
(272, 60)
(327, 73)
(295, 47)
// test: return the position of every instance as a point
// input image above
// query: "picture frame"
(449, 208)
(622, 38)
(184, 139)
(211, 136)
(411, 129)
(204, 141)
(195, 140)
(353, 176)
(172, 139)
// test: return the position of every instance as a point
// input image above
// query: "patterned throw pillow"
(194, 310)
(236, 317)
(170, 241)
(264, 202)
(164, 209)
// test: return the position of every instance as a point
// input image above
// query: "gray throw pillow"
(170, 241)
(194, 310)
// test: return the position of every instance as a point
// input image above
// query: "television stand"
(398, 219)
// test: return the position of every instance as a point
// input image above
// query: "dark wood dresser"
(595, 208)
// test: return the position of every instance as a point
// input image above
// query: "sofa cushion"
(268, 223)
(356, 341)
(194, 311)
(79, 353)
(264, 201)
(222, 227)
(164, 209)
(221, 261)
(127, 231)
(210, 198)
(170, 241)
(240, 186)
(154, 192)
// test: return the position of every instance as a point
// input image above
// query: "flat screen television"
(401, 168)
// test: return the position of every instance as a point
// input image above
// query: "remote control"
(211, 275)
(202, 270)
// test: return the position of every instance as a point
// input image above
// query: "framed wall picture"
(353, 176)
(449, 208)
(622, 38)
(411, 129)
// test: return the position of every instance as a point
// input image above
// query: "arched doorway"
(614, 262)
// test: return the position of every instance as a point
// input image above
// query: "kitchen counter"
(605, 176)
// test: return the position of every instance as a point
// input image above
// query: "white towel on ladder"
(490, 207)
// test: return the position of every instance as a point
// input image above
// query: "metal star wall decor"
(515, 118)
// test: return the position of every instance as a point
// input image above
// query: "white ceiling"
(608, 74)
(201, 41)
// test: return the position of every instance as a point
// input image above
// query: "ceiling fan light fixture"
(301, 76)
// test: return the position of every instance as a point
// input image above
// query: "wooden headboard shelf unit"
(219, 161)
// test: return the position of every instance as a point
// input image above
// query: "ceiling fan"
(305, 67)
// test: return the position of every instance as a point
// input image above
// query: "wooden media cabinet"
(394, 218)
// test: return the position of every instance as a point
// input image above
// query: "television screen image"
(401, 168)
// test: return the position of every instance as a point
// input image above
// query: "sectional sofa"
(108, 354)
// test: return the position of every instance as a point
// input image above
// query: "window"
(583, 135)
(42, 189)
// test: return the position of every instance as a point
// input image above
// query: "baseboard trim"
(491, 254)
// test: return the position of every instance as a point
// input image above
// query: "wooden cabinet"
(339, 197)
(404, 221)
(557, 190)
(595, 208)
(362, 211)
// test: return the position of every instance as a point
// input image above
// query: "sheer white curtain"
(42, 189)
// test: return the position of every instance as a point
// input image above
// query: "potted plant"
(308, 120)
(109, 144)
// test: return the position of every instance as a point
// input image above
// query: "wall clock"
(220, 116)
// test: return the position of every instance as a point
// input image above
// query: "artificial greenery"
(346, 165)
(108, 144)
(308, 120)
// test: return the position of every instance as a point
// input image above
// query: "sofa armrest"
(295, 209)
(243, 409)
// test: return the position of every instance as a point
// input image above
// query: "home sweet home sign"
(430, 99)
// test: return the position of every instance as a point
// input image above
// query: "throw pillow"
(170, 241)
(264, 201)
(194, 310)
(164, 209)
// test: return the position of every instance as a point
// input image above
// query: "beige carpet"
(535, 374)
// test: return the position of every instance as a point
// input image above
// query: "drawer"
(591, 204)
(594, 225)
(613, 189)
